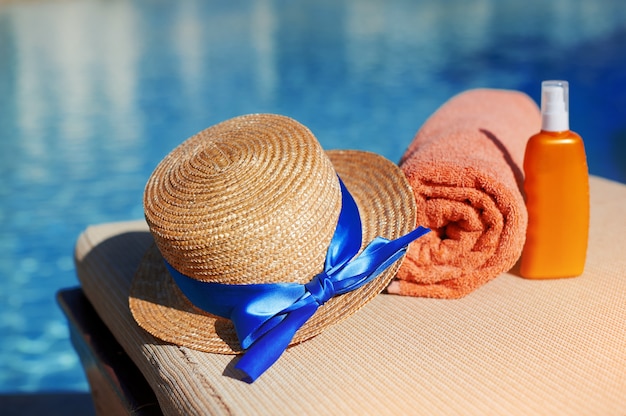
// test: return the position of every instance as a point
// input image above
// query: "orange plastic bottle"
(557, 192)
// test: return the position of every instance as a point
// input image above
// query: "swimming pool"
(94, 93)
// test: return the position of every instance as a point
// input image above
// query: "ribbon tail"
(269, 347)
(373, 260)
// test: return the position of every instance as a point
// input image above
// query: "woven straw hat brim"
(387, 207)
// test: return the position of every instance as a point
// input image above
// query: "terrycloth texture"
(465, 167)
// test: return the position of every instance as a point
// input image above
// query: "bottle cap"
(554, 105)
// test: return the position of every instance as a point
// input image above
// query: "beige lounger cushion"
(514, 346)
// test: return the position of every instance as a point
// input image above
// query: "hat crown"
(251, 200)
(218, 155)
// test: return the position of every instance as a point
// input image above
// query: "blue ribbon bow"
(266, 316)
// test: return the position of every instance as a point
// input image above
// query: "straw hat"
(255, 199)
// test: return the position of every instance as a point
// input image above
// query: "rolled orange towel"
(465, 167)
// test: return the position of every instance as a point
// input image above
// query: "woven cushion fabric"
(514, 346)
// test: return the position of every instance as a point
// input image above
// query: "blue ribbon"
(266, 316)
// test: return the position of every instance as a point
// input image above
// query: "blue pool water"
(93, 93)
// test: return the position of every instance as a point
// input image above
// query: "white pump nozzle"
(554, 105)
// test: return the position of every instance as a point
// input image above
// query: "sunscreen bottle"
(556, 185)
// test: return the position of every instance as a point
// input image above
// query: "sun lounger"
(514, 346)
